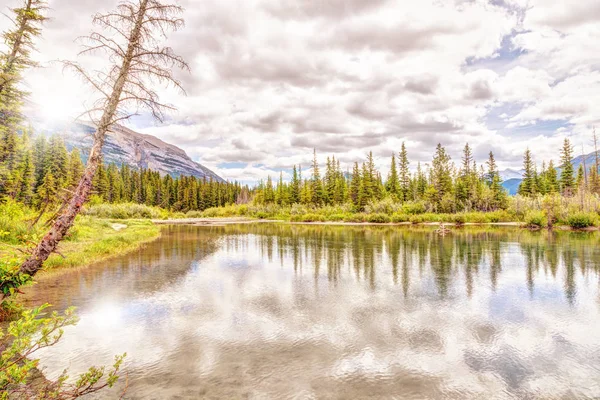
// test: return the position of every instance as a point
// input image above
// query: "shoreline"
(106, 242)
(247, 220)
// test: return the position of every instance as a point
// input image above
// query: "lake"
(276, 311)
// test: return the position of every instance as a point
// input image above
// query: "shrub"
(414, 207)
(125, 211)
(417, 219)
(32, 332)
(582, 220)
(262, 215)
(378, 218)
(535, 219)
(499, 216)
(336, 217)
(385, 206)
(398, 217)
(355, 218)
(14, 225)
(311, 217)
(459, 219)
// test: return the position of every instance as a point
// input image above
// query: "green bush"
(336, 217)
(500, 216)
(535, 219)
(417, 219)
(125, 211)
(355, 218)
(459, 219)
(398, 218)
(414, 208)
(582, 220)
(378, 218)
(262, 215)
(313, 218)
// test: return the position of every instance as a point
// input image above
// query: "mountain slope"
(512, 185)
(126, 147)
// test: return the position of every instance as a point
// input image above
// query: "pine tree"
(441, 173)
(580, 182)
(295, 187)
(26, 181)
(465, 182)
(392, 185)
(19, 42)
(567, 181)
(552, 178)
(74, 169)
(355, 184)
(527, 186)
(495, 184)
(404, 191)
(316, 183)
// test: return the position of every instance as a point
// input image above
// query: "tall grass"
(125, 211)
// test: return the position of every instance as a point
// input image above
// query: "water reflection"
(304, 311)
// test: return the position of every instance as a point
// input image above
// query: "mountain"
(126, 147)
(512, 185)
(511, 174)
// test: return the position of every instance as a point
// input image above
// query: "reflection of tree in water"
(463, 253)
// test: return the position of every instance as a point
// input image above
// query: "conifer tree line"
(443, 186)
(568, 182)
(41, 172)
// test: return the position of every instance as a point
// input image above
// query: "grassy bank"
(90, 240)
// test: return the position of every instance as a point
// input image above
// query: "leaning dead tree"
(130, 38)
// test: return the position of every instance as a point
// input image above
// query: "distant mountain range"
(126, 147)
(512, 178)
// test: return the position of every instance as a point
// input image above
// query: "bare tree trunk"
(64, 222)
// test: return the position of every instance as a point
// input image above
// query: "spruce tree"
(580, 181)
(355, 184)
(494, 182)
(404, 192)
(74, 169)
(552, 178)
(317, 192)
(441, 173)
(392, 185)
(295, 187)
(567, 181)
(527, 186)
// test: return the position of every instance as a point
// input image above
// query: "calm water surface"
(322, 312)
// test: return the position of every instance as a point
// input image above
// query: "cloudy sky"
(272, 79)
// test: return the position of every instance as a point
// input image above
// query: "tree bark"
(64, 222)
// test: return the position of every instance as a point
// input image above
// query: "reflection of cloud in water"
(278, 315)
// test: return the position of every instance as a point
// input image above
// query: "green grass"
(91, 239)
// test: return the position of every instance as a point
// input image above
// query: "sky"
(271, 80)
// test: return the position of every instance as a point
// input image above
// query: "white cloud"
(277, 78)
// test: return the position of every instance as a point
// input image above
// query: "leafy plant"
(23, 338)
(535, 219)
(582, 220)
